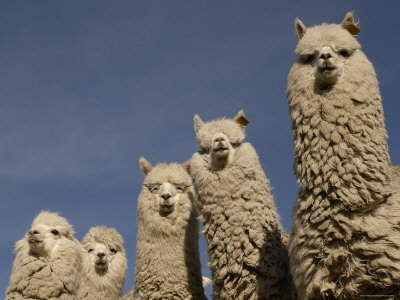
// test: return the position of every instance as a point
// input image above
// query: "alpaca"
(48, 261)
(248, 258)
(345, 240)
(167, 254)
(104, 265)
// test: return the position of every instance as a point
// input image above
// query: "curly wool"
(167, 254)
(47, 277)
(247, 257)
(345, 239)
(106, 285)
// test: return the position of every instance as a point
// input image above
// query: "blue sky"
(87, 87)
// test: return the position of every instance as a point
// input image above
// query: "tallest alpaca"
(345, 240)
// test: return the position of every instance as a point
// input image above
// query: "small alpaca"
(104, 265)
(245, 241)
(345, 240)
(167, 254)
(48, 261)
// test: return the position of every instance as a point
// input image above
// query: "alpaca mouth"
(34, 242)
(327, 69)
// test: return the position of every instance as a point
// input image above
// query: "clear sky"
(88, 87)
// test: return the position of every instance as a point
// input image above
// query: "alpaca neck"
(341, 152)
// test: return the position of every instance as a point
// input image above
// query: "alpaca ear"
(349, 24)
(299, 28)
(198, 123)
(241, 119)
(145, 166)
(186, 166)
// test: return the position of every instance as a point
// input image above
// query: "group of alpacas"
(51, 264)
(345, 239)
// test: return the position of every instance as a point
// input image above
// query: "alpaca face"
(167, 195)
(220, 138)
(43, 239)
(101, 256)
(326, 50)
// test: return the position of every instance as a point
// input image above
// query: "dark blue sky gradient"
(87, 87)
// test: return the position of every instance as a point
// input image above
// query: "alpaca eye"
(55, 232)
(113, 251)
(308, 58)
(181, 188)
(345, 53)
(90, 250)
(153, 189)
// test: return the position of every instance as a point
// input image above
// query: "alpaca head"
(326, 50)
(46, 232)
(168, 184)
(220, 138)
(104, 247)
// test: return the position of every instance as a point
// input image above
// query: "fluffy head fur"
(105, 264)
(167, 255)
(48, 261)
(343, 167)
(247, 257)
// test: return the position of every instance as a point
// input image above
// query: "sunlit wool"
(167, 254)
(345, 239)
(104, 265)
(245, 241)
(48, 261)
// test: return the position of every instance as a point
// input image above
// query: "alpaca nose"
(219, 139)
(166, 196)
(101, 254)
(325, 55)
(33, 232)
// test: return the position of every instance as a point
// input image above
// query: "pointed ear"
(186, 166)
(198, 123)
(241, 119)
(145, 166)
(299, 28)
(349, 24)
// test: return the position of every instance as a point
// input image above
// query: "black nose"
(325, 55)
(32, 232)
(101, 254)
(166, 196)
(219, 139)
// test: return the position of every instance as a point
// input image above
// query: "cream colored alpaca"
(48, 261)
(345, 240)
(105, 265)
(245, 241)
(167, 254)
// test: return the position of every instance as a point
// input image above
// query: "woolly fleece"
(345, 239)
(105, 284)
(47, 277)
(167, 255)
(247, 255)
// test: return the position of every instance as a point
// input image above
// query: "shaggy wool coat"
(245, 241)
(106, 285)
(50, 278)
(167, 254)
(345, 240)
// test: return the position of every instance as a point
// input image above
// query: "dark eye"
(308, 58)
(153, 189)
(181, 188)
(55, 232)
(113, 251)
(90, 250)
(345, 53)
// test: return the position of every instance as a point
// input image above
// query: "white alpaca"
(248, 258)
(345, 240)
(48, 261)
(105, 265)
(167, 254)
